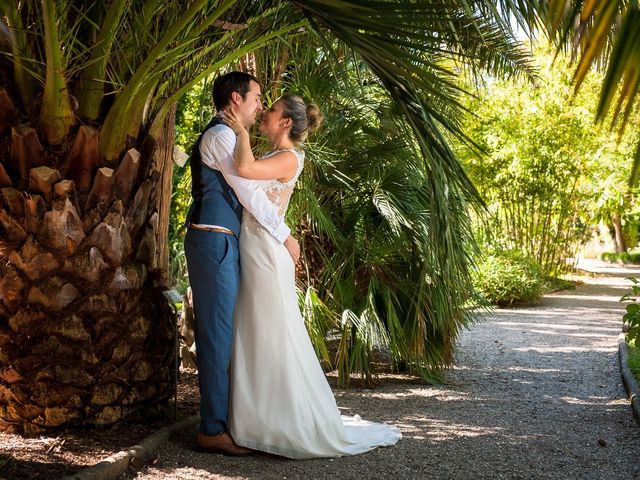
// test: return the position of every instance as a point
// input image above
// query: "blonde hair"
(305, 118)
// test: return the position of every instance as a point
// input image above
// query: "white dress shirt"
(216, 150)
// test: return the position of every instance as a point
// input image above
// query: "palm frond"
(377, 193)
(56, 116)
(605, 32)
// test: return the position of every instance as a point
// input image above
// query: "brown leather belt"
(211, 229)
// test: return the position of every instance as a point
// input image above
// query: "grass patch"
(634, 360)
(3, 460)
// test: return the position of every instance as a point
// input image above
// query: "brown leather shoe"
(221, 443)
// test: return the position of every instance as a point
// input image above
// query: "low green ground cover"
(631, 321)
(626, 257)
(634, 360)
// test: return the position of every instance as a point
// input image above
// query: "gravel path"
(536, 394)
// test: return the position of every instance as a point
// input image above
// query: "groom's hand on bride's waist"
(293, 247)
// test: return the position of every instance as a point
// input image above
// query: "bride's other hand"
(232, 121)
(293, 247)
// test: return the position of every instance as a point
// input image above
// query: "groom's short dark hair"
(228, 83)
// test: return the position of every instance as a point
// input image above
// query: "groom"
(211, 249)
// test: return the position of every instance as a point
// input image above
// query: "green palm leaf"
(607, 33)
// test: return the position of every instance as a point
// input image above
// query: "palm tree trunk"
(86, 335)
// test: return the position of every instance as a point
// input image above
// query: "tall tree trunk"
(618, 237)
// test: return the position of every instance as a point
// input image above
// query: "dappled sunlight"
(190, 473)
(613, 282)
(521, 381)
(414, 392)
(565, 349)
(441, 394)
(600, 401)
(531, 437)
(519, 312)
(578, 335)
(451, 397)
(421, 428)
(595, 331)
(535, 370)
(556, 326)
(382, 395)
(460, 367)
(611, 270)
(595, 298)
(550, 312)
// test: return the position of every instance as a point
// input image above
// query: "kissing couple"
(261, 384)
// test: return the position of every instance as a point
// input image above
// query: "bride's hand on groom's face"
(232, 121)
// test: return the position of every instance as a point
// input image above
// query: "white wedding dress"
(281, 402)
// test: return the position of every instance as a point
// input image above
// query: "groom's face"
(248, 108)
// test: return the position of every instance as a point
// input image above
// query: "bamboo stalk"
(543, 234)
(531, 227)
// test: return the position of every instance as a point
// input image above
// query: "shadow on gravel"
(15, 469)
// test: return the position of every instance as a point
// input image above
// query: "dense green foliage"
(194, 112)
(373, 250)
(507, 277)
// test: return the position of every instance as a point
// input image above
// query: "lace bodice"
(278, 192)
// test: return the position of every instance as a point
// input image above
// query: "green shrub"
(624, 257)
(507, 277)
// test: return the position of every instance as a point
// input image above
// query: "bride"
(281, 402)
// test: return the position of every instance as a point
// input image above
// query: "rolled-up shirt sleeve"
(216, 151)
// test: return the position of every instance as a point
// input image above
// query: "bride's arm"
(282, 165)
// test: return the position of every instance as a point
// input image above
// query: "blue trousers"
(214, 275)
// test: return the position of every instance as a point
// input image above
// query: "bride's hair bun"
(304, 118)
(314, 117)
